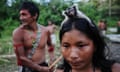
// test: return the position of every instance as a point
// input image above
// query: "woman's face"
(77, 49)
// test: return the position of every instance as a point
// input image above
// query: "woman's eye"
(81, 45)
(65, 45)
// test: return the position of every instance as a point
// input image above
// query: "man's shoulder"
(43, 28)
(18, 30)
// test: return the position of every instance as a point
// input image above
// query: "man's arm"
(20, 51)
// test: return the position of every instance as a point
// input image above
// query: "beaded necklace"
(35, 42)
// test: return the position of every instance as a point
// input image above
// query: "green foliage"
(112, 22)
(9, 25)
(9, 18)
(6, 46)
(52, 11)
(3, 8)
(2, 61)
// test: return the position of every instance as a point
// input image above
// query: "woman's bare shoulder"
(116, 67)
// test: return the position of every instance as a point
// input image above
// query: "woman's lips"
(76, 63)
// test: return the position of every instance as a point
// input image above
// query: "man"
(30, 39)
(102, 25)
(52, 27)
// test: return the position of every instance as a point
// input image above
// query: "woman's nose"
(74, 54)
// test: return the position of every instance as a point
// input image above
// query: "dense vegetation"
(95, 9)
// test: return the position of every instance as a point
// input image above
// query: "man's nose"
(21, 17)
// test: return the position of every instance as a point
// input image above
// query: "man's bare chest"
(29, 38)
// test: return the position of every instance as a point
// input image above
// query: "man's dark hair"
(31, 7)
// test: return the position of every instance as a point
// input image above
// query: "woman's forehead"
(75, 35)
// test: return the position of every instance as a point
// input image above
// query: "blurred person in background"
(102, 25)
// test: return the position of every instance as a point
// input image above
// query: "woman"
(82, 45)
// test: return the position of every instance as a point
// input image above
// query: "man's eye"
(23, 14)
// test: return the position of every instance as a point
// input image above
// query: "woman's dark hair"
(31, 7)
(99, 59)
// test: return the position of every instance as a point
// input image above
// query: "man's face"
(25, 17)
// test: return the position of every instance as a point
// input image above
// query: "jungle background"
(108, 10)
